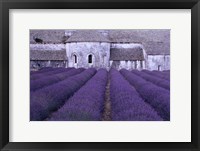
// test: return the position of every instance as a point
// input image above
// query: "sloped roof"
(131, 54)
(47, 55)
(48, 36)
(139, 35)
(155, 41)
(87, 36)
(157, 48)
(124, 36)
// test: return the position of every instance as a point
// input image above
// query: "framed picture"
(100, 75)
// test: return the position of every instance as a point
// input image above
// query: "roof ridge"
(87, 36)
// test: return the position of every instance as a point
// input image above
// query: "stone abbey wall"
(158, 62)
(47, 63)
(47, 47)
(129, 65)
(100, 52)
(107, 48)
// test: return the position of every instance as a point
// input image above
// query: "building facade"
(130, 49)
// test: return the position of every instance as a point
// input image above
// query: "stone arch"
(75, 60)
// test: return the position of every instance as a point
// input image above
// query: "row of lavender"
(156, 96)
(50, 98)
(87, 103)
(160, 74)
(127, 104)
(48, 78)
(134, 97)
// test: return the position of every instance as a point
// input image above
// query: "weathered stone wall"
(38, 64)
(158, 62)
(167, 62)
(125, 45)
(100, 54)
(47, 46)
(58, 63)
(47, 63)
(129, 65)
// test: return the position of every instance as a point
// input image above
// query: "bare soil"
(107, 104)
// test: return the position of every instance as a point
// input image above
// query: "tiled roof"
(48, 55)
(127, 54)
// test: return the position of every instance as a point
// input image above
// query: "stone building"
(88, 49)
(47, 58)
(130, 49)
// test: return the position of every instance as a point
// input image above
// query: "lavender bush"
(52, 97)
(166, 73)
(157, 97)
(87, 103)
(155, 80)
(51, 72)
(46, 68)
(51, 79)
(158, 74)
(126, 104)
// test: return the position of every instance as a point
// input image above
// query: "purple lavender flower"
(43, 70)
(52, 97)
(87, 103)
(126, 103)
(47, 73)
(51, 79)
(157, 97)
(163, 75)
(155, 80)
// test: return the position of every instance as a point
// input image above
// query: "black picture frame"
(5, 5)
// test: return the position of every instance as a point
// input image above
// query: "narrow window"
(90, 59)
(75, 58)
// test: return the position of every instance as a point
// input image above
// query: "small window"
(75, 58)
(90, 59)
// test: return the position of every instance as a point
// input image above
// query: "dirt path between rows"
(107, 104)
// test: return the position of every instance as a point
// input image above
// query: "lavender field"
(69, 94)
